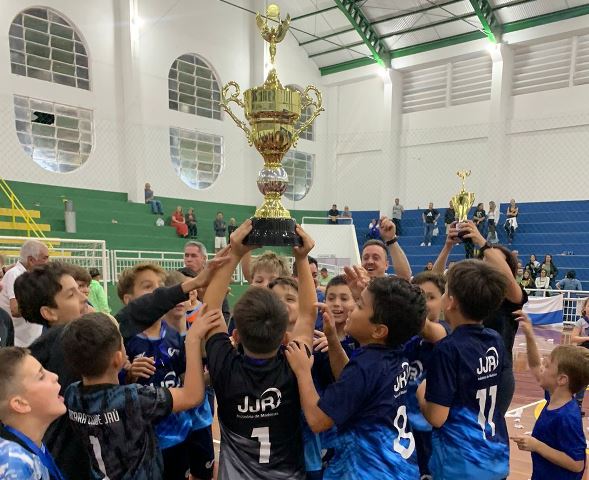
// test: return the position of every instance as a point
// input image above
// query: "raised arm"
(303, 329)
(217, 289)
(534, 359)
(337, 355)
(246, 267)
(496, 258)
(388, 233)
(451, 240)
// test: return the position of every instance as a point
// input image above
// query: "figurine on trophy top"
(462, 203)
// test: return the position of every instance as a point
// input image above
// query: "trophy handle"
(308, 101)
(227, 98)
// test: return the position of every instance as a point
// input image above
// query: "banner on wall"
(545, 310)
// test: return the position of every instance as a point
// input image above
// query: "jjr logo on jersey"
(489, 363)
(269, 400)
(402, 378)
(415, 370)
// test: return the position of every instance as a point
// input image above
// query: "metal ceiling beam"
(337, 49)
(442, 42)
(385, 19)
(546, 18)
(342, 67)
(489, 20)
(354, 14)
(429, 25)
(512, 4)
(311, 14)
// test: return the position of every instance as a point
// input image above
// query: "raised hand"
(299, 358)
(142, 367)
(524, 321)
(204, 323)
(357, 279)
(220, 259)
(472, 232)
(388, 230)
(320, 343)
(306, 247)
(237, 237)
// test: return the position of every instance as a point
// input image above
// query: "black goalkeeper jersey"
(259, 414)
(115, 424)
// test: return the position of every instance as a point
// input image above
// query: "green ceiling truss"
(378, 48)
(465, 37)
(489, 20)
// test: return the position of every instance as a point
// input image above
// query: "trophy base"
(275, 232)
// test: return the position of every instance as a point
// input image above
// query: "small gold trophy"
(462, 201)
(272, 111)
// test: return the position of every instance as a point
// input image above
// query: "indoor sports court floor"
(526, 405)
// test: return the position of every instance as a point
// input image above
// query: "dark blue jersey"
(561, 429)
(463, 374)
(115, 425)
(167, 349)
(367, 405)
(418, 352)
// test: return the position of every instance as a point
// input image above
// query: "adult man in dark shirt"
(220, 231)
(449, 217)
(430, 219)
(333, 215)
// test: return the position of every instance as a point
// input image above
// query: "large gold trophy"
(272, 111)
(462, 201)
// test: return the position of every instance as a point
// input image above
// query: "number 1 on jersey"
(482, 398)
(263, 436)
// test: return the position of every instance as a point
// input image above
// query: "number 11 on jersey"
(482, 398)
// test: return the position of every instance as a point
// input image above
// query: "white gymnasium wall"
(129, 96)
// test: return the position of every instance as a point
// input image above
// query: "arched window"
(44, 45)
(57, 137)
(197, 157)
(299, 166)
(193, 87)
(308, 133)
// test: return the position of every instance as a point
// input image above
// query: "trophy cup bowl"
(272, 112)
(462, 203)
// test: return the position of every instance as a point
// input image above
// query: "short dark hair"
(571, 274)
(94, 272)
(11, 359)
(428, 276)
(38, 288)
(284, 281)
(261, 320)
(478, 288)
(510, 257)
(399, 306)
(323, 269)
(573, 361)
(311, 260)
(89, 343)
(335, 281)
(378, 243)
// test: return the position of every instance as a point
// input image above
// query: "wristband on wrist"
(486, 246)
(392, 241)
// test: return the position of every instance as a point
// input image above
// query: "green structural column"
(488, 19)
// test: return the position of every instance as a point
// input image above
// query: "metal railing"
(16, 205)
(344, 220)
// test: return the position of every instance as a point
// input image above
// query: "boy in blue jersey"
(418, 351)
(367, 400)
(557, 442)
(469, 439)
(115, 421)
(29, 402)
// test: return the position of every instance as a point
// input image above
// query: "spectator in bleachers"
(333, 215)
(179, 223)
(479, 217)
(220, 228)
(156, 205)
(190, 219)
(373, 230)
(551, 270)
(429, 267)
(97, 296)
(398, 216)
(511, 222)
(232, 226)
(449, 217)
(492, 221)
(533, 266)
(527, 281)
(324, 277)
(569, 282)
(543, 284)
(347, 213)
(520, 273)
(32, 253)
(430, 220)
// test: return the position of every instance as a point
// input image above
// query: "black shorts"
(201, 453)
